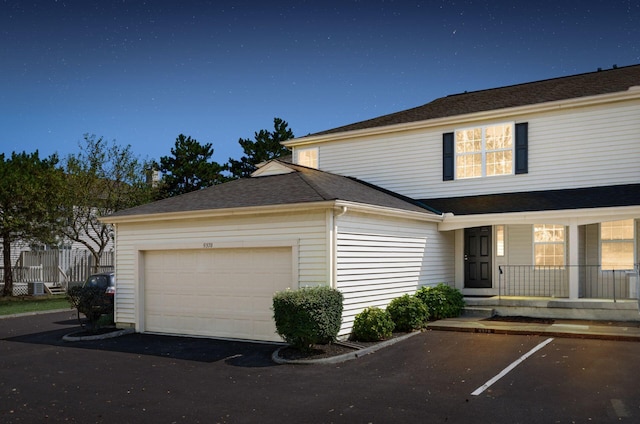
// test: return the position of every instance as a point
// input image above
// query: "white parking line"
(505, 371)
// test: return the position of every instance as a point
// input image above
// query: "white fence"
(56, 267)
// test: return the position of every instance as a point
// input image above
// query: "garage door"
(215, 292)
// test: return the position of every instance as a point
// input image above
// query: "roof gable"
(272, 168)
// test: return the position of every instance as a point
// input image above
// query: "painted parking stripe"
(505, 371)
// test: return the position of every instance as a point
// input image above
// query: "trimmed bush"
(308, 316)
(372, 324)
(408, 313)
(442, 301)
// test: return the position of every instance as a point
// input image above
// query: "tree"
(30, 190)
(101, 179)
(189, 168)
(265, 147)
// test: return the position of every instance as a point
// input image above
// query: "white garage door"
(215, 292)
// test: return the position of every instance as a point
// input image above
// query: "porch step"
(557, 308)
(54, 289)
(478, 312)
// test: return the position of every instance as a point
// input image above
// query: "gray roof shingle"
(576, 198)
(304, 185)
(570, 87)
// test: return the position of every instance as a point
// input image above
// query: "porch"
(547, 292)
(555, 308)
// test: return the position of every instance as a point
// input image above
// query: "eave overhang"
(338, 205)
(562, 217)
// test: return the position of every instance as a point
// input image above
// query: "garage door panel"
(215, 292)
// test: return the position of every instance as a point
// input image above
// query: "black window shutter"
(447, 156)
(522, 148)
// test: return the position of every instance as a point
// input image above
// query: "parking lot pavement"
(427, 378)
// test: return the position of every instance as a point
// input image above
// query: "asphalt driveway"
(427, 378)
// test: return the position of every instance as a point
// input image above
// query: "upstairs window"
(501, 149)
(484, 151)
(308, 157)
(616, 244)
(548, 245)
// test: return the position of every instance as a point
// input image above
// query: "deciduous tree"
(30, 190)
(102, 178)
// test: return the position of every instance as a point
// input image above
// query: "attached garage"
(215, 292)
(207, 263)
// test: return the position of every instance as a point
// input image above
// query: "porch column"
(572, 259)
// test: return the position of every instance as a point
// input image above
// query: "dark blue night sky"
(142, 72)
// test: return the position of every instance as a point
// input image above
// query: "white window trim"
(483, 151)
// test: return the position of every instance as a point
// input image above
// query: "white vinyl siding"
(520, 242)
(379, 260)
(579, 147)
(309, 229)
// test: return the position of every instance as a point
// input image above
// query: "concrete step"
(478, 312)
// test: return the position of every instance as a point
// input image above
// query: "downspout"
(334, 246)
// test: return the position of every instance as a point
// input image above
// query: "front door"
(477, 258)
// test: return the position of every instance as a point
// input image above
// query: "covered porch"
(565, 253)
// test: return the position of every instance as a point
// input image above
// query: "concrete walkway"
(606, 330)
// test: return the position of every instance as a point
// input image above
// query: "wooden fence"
(59, 267)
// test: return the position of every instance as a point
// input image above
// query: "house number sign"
(207, 245)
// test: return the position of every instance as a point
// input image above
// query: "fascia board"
(210, 213)
(296, 207)
(566, 217)
(391, 212)
(632, 93)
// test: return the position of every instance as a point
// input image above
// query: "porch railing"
(553, 281)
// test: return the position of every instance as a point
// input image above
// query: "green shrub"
(372, 324)
(442, 301)
(93, 302)
(408, 313)
(308, 316)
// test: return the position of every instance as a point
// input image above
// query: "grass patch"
(22, 304)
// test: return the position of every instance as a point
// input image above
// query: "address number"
(207, 245)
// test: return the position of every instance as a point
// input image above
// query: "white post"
(573, 261)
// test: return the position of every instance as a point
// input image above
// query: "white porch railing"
(553, 281)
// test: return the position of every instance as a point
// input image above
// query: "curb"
(275, 357)
(71, 338)
(536, 330)
(27, 314)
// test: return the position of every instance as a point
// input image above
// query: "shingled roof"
(302, 185)
(549, 200)
(570, 87)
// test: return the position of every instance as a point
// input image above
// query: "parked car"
(103, 280)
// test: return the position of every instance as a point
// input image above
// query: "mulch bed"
(329, 350)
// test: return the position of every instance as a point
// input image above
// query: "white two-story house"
(529, 191)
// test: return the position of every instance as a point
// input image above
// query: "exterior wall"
(569, 148)
(379, 259)
(308, 229)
